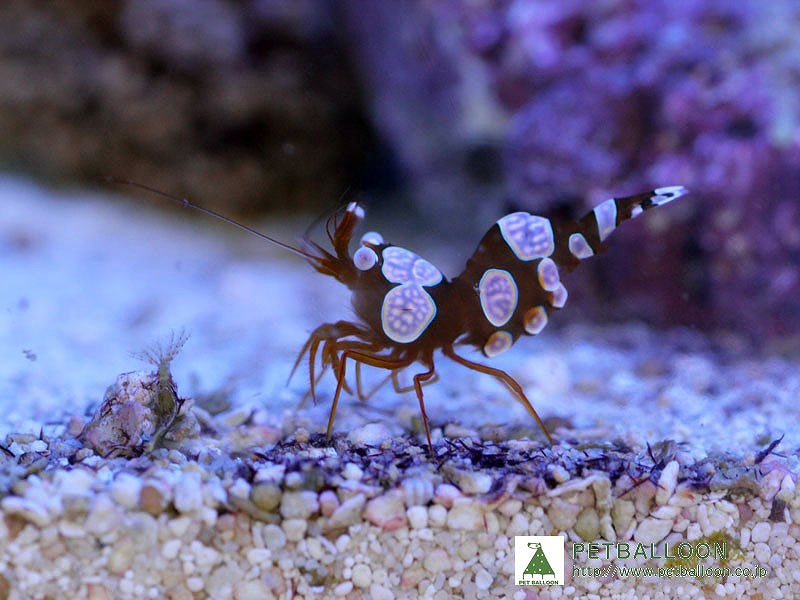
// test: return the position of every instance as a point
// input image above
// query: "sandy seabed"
(662, 437)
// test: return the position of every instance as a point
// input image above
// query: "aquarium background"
(445, 112)
(150, 444)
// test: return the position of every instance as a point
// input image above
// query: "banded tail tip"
(663, 195)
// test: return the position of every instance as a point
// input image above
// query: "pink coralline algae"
(587, 100)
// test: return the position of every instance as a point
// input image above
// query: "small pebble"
(121, 556)
(468, 549)
(299, 505)
(379, 592)
(437, 515)
(251, 590)
(126, 490)
(71, 530)
(519, 525)
(371, 434)
(622, 513)
(417, 517)
(188, 493)
(667, 482)
(587, 525)
(455, 431)
(465, 514)
(510, 507)
(274, 537)
(386, 511)
(95, 591)
(762, 553)
(437, 560)
(651, 530)
(240, 488)
(343, 588)
(153, 497)
(37, 446)
(295, 529)
(473, 482)
(352, 471)
(348, 512)
(445, 494)
(258, 556)
(293, 480)
(559, 473)
(563, 514)
(760, 532)
(266, 496)
(179, 525)
(362, 576)
(77, 482)
(103, 515)
(483, 579)
(342, 542)
(236, 417)
(170, 548)
(328, 502)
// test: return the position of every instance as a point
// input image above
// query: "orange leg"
(310, 393)
(360, 388)
(394, 377)
(384, 362)
(330, 356)
(387, 362)
(401, 389)
(324, 333)
(419, 379)
(505, 378)
(327, 331)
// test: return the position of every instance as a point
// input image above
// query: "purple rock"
(592, 99)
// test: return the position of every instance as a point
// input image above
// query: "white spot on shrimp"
(558, 298)
(605, 214)
(535, 320)
(498, 293)
(528, 236)
(668, 194)
(636, 211)
(364, 258)
(579, 247)
(353, 207)
(406, 312)
(372, 237)
(547, 272)
(403, 266)
(498, 342)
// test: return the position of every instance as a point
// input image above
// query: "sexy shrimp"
(406, 309)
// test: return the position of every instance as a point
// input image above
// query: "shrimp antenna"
(186, 204)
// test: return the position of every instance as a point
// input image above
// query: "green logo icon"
(538, 560)
(538, 565)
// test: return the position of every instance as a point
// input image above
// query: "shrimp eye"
(365, 258)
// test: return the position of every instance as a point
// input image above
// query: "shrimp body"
(407, 309)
